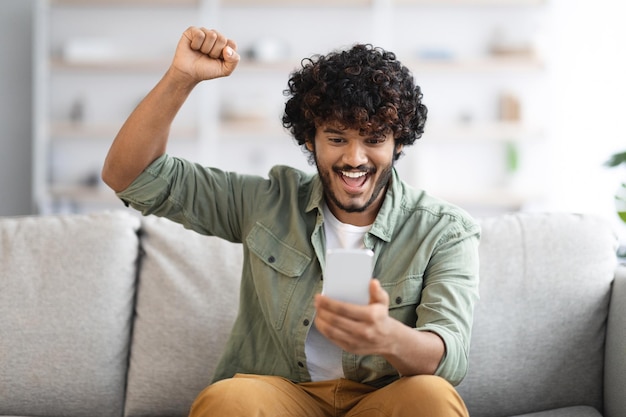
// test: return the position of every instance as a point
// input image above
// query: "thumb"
(230, 58)
(377, 294)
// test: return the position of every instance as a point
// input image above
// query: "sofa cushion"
(66, 302)
(615, 361)
(186, 303)
(580, 411)
(539, 328)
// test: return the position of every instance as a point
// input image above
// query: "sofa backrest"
(68, 285)
(187, 298)
(67, 288)
(539, 328)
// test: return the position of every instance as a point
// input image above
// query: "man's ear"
(398, 151)
(309, 145)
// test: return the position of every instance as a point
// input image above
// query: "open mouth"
(354, 180)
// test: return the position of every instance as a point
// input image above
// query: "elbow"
(105, 175)
(455, 362)
(454, 373)
(120, 170)
(112, 179)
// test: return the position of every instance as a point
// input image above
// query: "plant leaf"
(616, 159)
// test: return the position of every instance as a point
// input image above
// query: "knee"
(433, 392)
(221, 398)
(427, 384)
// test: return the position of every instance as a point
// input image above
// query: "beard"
(381, 185)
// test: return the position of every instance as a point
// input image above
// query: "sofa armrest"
(615, 364)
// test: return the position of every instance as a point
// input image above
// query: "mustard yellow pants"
(270, 396)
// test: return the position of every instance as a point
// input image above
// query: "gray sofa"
(110, 315)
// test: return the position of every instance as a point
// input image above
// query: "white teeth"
(352, 174)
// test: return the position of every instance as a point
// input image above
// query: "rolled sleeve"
(448, 298)
(206, 200)
(150, 189)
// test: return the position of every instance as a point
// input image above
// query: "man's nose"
(355, 154)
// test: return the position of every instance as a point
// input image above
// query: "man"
(292, 351)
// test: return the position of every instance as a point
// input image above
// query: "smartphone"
(347, 275)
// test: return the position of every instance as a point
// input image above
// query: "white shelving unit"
(90, 74)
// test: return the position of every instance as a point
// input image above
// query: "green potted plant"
(615, 160)
(620, 196)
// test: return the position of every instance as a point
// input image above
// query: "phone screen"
(347, 275)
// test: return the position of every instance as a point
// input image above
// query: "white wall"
(589, 94)
(15, 106)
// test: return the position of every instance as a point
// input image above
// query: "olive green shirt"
(426, 258)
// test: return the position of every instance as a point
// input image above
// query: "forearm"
(413, 352)
(143, 137)
(201, 54)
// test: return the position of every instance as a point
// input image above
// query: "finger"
(231, 59)
(347, 334)
(336, 328)
(340, 308)
(377, 294)
(328, 320)
(213, 44)
(334, 304)
(232, 44)
(196, 37)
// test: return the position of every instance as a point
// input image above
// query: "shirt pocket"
(275, 267)
(404, 296)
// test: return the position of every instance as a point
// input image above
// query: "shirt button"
(300, 364)
(306, 322)
(271, 259)
(398, 300)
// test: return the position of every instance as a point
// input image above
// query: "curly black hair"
(364, 88)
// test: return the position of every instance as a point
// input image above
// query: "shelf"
(487, 64)
(251, 127)
(123, 65)
(83, 194)
(80, 131)
(125, 3)
(341, 3)
(469, 2)
(257, 66)
(485, 132)
(296, 3)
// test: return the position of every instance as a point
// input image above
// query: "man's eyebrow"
(337, 131)
(333, 130)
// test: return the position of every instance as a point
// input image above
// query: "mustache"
(360, 168)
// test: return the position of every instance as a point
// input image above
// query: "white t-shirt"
(323, 356)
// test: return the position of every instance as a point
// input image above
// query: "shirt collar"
(316, 197)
